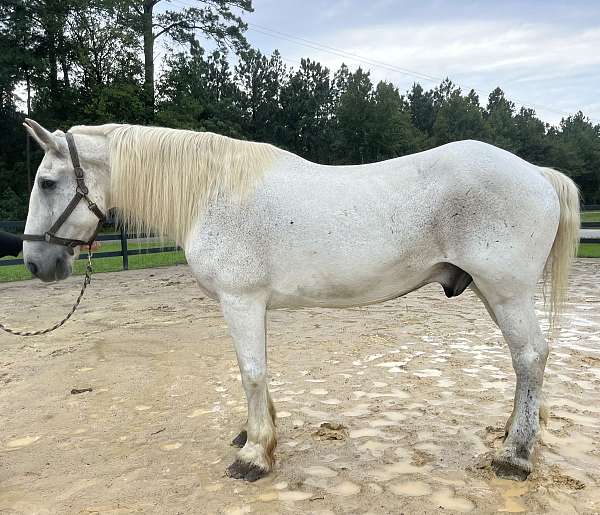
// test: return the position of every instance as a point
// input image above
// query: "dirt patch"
(560, 479)
(391, 408)
(331, 431)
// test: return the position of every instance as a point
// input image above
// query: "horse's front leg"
(246, 318)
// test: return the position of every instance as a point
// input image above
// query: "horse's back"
(320, 235)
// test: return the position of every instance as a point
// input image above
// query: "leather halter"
(81, 192)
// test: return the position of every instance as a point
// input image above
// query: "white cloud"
(474, 47)
(541, 64)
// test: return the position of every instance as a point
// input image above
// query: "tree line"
(71, 62)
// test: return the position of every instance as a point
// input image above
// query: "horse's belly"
(340, 290)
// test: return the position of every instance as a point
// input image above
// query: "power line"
(342, 53)
(301, 41)
(380, 64)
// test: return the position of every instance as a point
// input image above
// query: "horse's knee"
(253, 380)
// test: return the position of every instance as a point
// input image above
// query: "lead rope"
(86, 280)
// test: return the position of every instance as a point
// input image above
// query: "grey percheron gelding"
(265, 229)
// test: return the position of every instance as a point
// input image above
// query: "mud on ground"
(415, 393)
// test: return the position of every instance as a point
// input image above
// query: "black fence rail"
(122, 236)
(590, 225)
(125, 252)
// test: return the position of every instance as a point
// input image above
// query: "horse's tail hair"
(564, 248)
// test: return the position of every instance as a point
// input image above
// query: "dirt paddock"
(414, 394)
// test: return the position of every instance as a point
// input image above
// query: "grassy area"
(589, 250)
(590, 216)
(111, 264)
(115, 264)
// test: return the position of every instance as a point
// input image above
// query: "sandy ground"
(419, 389)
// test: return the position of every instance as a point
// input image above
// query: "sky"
(543, 54)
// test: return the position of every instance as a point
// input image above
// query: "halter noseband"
(81, 192)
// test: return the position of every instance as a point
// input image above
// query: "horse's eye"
(47, 184)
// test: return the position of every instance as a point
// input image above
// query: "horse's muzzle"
(48, 262)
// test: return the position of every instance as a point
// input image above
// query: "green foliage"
(93, 62)
(353, 115)
(500, 120)
(575, 148)
(391, 133)
(458, 117)
(215, 19)
(197, 92)
(529, 137)
(422, 110)
(306, 102)
(259, 80)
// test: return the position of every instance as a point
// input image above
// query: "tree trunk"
(63, 57)
(28, 146)
(52, 63)
(148, 59)
(65, 70)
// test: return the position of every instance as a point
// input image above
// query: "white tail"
(564, 248)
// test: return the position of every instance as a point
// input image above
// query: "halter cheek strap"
(81, 192)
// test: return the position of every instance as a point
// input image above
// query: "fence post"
(124, 248)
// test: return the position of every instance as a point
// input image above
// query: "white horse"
(264, 229)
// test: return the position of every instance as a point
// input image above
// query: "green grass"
(589, 250)
(110, 264)
(590, 216)
(115, 264)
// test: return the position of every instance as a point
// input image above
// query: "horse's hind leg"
(245, 316)
(489, 309)
(517, 320)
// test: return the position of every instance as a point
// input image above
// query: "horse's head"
(64, 211)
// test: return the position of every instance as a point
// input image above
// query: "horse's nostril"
(33, 268)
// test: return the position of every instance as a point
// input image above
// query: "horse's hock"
(133, 404)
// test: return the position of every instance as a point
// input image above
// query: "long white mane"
(163, 179)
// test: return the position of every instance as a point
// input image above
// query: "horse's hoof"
(240, 440)
(507, 466)
(246, 471)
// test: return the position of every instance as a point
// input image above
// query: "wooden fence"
(125, 252)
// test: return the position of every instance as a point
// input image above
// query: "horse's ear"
(44, 138)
